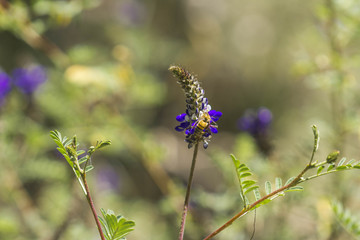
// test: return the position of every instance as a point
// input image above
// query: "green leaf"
(83, 159)
(316, 138)
(115, 227)
(247, 190)
(102, 144)
(67, 142)
(296, 188)
(56, 136)
(342, 161)
(278, 183)
(266, 201)
(320, 169)
(89, 168)
(240, 165)
(267, 187)
(289, 180)
(246, 174)
(331, 167)
(244, 169)
(356, 166)
(79, 152)
(247, 202)
(339, 168)
(349, 163)
(248, 183)
(257, 194)
(356, 163)
(347, 219)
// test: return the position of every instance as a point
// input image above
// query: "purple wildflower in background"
(257, 124)
(29, 79)
(199, 121)
(5, 86)
(108, 179)
(131, 12)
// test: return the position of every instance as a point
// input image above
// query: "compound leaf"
(115, 227)
(278, 183)
(267, 187)
(296, 188)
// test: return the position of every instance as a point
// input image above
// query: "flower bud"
(332, 157)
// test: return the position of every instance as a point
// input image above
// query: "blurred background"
(99, 69)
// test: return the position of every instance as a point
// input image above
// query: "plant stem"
(91, 203)
(298, 179)
(253, 205)
(187, 196)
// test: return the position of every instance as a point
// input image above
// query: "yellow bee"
(201, 124)
(201, 131)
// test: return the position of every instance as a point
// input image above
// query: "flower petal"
(264, 116)
(214, 113)
(213, 129)
(181, 117)
(179, 129)
(182, 126)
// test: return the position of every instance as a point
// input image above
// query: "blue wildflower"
(5, 86)
(199, 121)
(257, 124)
(29, 79)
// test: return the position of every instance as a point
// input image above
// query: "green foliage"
(332, 167)
(64, 148)
(316, 138)
(115, 227)
(68, 148)
(347, 219)
(246, 185)
(332, 157)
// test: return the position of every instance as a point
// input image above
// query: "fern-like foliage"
(347, 219)
(63, 144)
(115, 227)
(68, 148)
(246, 185)
(326, 167)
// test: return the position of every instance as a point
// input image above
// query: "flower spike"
(199, 121)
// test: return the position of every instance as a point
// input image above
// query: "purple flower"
(29, 79)
(108, 179)
(131, 12)
(5, 86)
(198, 121)
(194, 130)
(256, 123)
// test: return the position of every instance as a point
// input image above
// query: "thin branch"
(187, 196)
(253, 205)
(91, 203)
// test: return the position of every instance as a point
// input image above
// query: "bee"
(201, 125)
(201, 128)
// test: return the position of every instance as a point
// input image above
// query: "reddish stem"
(247, 209)
(91, 203)
(187, 196)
